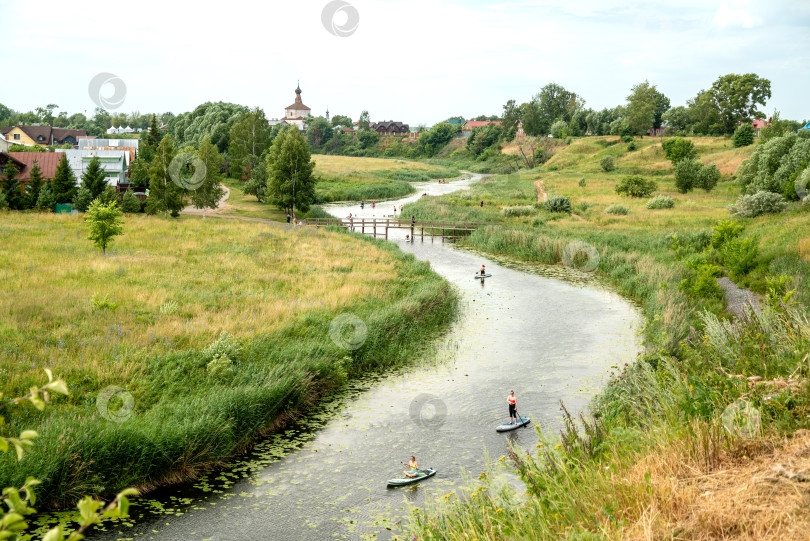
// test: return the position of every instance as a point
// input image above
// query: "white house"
(114, 163)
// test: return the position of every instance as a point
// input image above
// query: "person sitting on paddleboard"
(413, 467)
(483, 270)
(512, 401)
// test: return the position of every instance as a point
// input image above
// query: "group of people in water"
(412, 467)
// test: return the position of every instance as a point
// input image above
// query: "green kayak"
(402, 481)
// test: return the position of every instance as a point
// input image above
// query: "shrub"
(130, 204)
(581, 182)
(607, 164)
(558, 203)
(618, 209)
(3, 200)
(517, 211)
(751, 206)
(739, 255)
(584, 206)
(724, 231)
(686, 174)
(559, 129)
(702, 281)
(743, 136)
(631, 146)
(708, 177)
(46, 199)
(636, 186)
(627, 138)
(678, 149)
(660, 202)
(775, 165)
(539, 220)
(82, 199)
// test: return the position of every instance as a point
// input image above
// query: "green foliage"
(47, 199)
(645, 106)
(249, 137)
(687, 174)
(214, 119)
(582, 182)
(319, 131)
(559, 129)
(367, 138)
(290, 184)
(35, 186)
(130, 204)
(558, 203)
(3, 201)
(607, 164)
(677, 118)
(342, 120)
(517, 211)
(743, 136)
(725, 231)
(82, 199)
(433, 140)
(482, 138)
(164, 193)
(11, 188)
(64, 182)
(210, 191)
(660, 202)
(620, 210)
(677, 149)
(736, 98)
(104, 223)
(775, 165)
(636, 186)
(94, 178)
(631, 146)
(553, 103)
(739, 255)
(702, 281)
(707, 177)
(751, 206)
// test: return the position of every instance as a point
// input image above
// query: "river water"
(546, 334)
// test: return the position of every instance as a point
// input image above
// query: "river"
(546, 334)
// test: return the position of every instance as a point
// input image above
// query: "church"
(295, 113)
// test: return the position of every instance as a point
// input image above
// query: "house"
(520, 132)
(805, 127)
(4, 144)
(345, 129)
(114, 163)
(655, 132)
(41, 135)
(390, 127)
(468, 127)
(758, 124)
(130, 146)
(24, 162)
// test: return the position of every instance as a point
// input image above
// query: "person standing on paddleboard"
(483, 270)
(413, 467)
(512, 401)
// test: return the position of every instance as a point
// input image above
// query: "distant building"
(468, 127)
(390, 127)
(296, 113)
(655, 132)
(805, 127)
(758, 124)
(24, 162)
(130, 146)
(42, 136)
(520, 132)
(4, 144)
(114, 163)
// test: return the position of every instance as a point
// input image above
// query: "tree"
(46, 199)
(363, 123)
(104, 221)
(208, 194)
(677, 118)
(708, 177)
(687, 173)
(704, 116)
(11, 188)
(249, 138)
(35, 186)
(435, 138)
(559, 129)
(139, 173)
(5, 114)
(319, 131)
(737, 97)
(530, 115)
(743, 136)
(555, 103)
(214, 119)
(645, 107)
(367, 138)
(257, 186)
(290, 183)
(677, 149)
(511, 116)
(164, 194)
(636, 186)
(130, 203)
(94, 178)
(341, 120)
(82, 199)
(64, 182)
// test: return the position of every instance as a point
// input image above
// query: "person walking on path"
(289, 217)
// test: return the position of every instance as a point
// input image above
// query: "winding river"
(548, 335)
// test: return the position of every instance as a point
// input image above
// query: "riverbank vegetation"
(189, 338)
(701, 436)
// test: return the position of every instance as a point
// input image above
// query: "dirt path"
(737, 299)
(209, 212)
(542, 195)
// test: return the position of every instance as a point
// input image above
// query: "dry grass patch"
(329, 165)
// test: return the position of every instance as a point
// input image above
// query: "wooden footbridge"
(380, 226)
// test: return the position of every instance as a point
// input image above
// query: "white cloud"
(735, 13)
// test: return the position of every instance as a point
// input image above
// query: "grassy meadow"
(148, 318)
(669, 449)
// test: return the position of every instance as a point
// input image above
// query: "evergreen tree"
(3, 202)
(35, 185)
(208, 194)
(290, 182)
(11, 187)
(94, 178)
(155, 135)
(47, 199)
(139, 173)
(164, 194)
(64, 182)
(130, 202)
(82, 199)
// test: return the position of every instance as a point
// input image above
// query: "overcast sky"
(418, 61)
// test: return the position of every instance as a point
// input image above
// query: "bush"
(517, 211)
(678, 149)
(581, 182)
(775, 165)
(631, 146)
(636, 186)
(618, 209)
(739, 255)
(3, 200)
(751, 206)
(130, 204)
(702, 281)
(686, 174)
(708, 177)
(46, 199)
(82, 199)
(724, 231)
(539, 220)
(558, 203)
(743, 136)
(584, 206)
(559, 129)
(660, 202)
(607, 164)
(628, 138)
